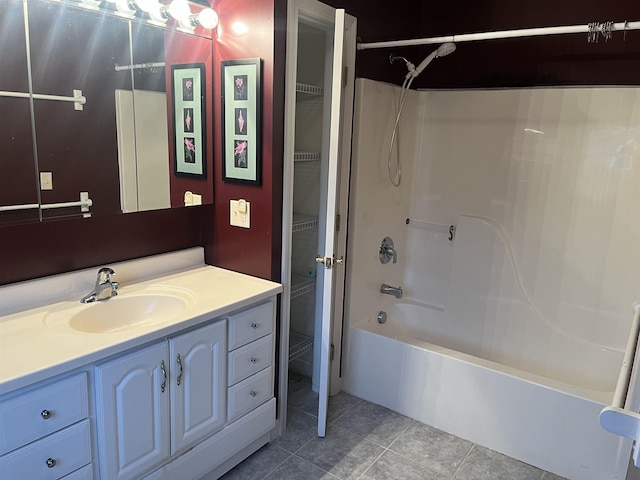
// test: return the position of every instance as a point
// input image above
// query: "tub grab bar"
(618, 418)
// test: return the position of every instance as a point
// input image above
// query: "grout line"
(473, 445)
(316, 466)
(388, 447)
(348, 410)
(280, 464)
(372, 464)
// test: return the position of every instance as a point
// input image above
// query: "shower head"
(442, 51)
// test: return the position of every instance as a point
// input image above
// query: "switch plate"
(238, 217)
(46, 181)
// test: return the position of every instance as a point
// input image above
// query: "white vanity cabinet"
(158, 400)
(181, 388)
(45, 432)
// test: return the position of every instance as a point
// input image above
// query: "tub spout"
(389, 290)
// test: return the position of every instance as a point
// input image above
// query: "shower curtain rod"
(526, 32)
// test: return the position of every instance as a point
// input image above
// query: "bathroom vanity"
(173, 378)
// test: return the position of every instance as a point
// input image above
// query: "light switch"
(46, 181)
(238, 217)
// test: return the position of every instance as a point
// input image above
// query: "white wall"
(555, 169)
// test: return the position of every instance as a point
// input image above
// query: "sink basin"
(126, 310)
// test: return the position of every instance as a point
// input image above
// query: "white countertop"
(33, 348)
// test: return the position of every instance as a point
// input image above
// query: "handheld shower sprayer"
(441, 51)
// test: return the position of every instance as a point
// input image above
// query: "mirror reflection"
(114, 140)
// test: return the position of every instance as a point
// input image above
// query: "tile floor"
(367, 442)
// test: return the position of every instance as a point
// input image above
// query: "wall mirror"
(86, 103)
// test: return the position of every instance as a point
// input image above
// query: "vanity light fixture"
(178, 10)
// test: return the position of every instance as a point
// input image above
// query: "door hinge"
(338, 222)
(345, 76)
(332, 352)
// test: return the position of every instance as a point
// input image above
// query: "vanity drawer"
(52, 457)
(85, 473)
(38, 413)
(250, 359)
(249, 393)
(249, 325)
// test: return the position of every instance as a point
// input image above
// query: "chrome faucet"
(104, 289)
(389, 290)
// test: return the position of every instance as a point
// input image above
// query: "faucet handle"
(104, 275)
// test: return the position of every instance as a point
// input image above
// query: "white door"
(132, 395)
(327, 254)
(198, 387)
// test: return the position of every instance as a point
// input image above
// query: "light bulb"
(91, 3)
(207, 18)
(179, 10)
(239, 28)
(147, 6)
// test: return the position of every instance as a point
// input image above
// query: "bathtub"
(540, 420)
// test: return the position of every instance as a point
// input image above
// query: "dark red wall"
(256, 250)
(538, 61)
(57, 246)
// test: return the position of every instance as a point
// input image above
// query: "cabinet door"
(132, 410)
(198, 384)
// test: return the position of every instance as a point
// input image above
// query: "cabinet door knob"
(254, 360)
(45, 414)
(253, 393)
(51, 462)
(254, 325)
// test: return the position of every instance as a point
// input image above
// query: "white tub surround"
(535, 288)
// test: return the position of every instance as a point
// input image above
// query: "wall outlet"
(240, 213)
(46, 181)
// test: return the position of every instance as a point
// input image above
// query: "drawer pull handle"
(164, 373)
(45, 414)
(179, 379)
(254, 360)
(253, 393)
(51, 462)
(254, 325)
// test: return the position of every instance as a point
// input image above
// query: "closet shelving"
(299, 344)
(306, 156)
(309, 89)
(304, 222)
(301, 285)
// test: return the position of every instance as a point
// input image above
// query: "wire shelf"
(304, 222)
(306, 156)
(309, 89)
(299, 344)
(301, 285)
